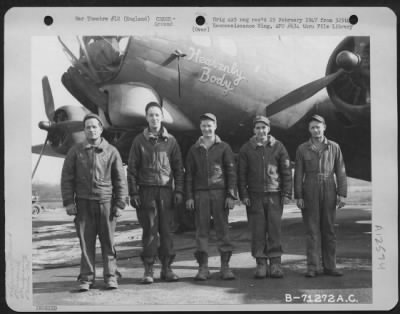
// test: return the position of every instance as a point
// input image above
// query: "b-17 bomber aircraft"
(286, 78)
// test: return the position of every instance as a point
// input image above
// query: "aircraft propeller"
(346, 61)
(49, 108)
(58, 125)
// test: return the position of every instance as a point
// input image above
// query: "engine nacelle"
(350, 93)
(127, 103)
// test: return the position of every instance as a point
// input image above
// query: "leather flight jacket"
(93, 173)
(155, 161)
(210, 169)
(264, 167)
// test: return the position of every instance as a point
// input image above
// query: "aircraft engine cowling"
(350, 93)
(127, 103)
(66, 128)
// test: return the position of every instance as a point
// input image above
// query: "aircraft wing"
(48, 151)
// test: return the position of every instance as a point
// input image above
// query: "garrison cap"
(208, 116)
(92, 116)
(152, 104)
(317, 118)
(261, 119)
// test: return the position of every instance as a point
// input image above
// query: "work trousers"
(264, 216)
(155, 217)
(211, 203)
(95, 218)
(319, 215)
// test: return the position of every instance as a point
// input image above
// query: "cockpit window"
(100, 57)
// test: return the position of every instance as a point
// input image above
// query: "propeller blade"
(48, 98)
(302, 93)
(40, 156)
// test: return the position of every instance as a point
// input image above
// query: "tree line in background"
(359, 191)
(47, 191)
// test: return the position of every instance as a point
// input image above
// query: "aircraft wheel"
(36, 210)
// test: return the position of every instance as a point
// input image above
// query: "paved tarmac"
(56, 255)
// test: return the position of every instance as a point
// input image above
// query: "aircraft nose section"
(347, 60)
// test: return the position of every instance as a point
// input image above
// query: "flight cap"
(92, 116)
(208, 116)
(261, 119)
(317, 118)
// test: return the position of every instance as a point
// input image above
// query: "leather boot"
(166, 272)
(111, 282)
(226, 272)
(84, 286)
(261, 269)
(85, 283)
(148, 273)
(202, 259)
(275, 267)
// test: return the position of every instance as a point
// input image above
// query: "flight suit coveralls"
(314, 180)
